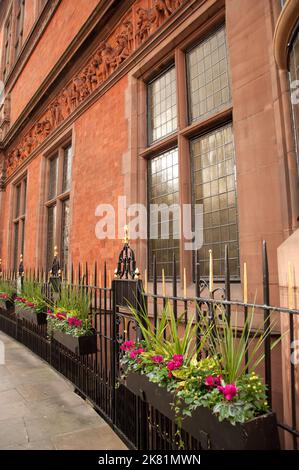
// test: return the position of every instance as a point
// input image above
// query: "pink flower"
(136, 352)
(209, 381)
(178, 358)
(157, 359)
(60, 316)
(229, 391)
(213, 381)
(30, 304)
(127, 346)
(170, 375)
(176, 362)
(171, 365)
(74, 321)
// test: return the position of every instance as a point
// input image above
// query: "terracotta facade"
(81, 75)
(81, 78)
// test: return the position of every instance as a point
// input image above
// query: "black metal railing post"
(267, 342)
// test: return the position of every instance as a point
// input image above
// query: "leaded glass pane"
(208, 79)
(65, 233)
(53, 177)
(162, 110)
(215, 188)
(67, 168)
(51, 229)
(163, 180)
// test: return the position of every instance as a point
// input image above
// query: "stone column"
(288, 262)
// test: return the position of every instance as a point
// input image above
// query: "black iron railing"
(95, 377)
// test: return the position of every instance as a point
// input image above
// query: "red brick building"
(176, 101)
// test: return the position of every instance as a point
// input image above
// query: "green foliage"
(165, 337)
(229, 343)
(74, 300)
(168, 356)
(70, 313)
(32, 291)
(7, 288)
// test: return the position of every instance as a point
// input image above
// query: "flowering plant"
(217, 381)
(70, 313)
(7, 291)
(32, 297)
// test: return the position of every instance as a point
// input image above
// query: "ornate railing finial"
(55, 269)
(126, 265)
(21, 266)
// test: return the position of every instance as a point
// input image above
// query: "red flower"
(176, 362)
(178, 358)
(170, 375)
(74, 321)
(157, 359)
(213, 381)
(127, 346)
(136, 352)
(229, 391)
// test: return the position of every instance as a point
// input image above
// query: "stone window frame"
(18, 218)
(58, 200)
(186, 131)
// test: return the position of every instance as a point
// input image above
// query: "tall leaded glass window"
(208, 78)
(294, 76)
(19, 218)
(163, 184)
(58, 205)
(162, 106)
(20, 9)
(214, 184)
(7, 40)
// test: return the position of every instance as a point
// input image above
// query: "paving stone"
(39, 409)
(13, 431)
(97, 438)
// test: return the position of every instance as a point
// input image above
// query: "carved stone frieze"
(144, 17)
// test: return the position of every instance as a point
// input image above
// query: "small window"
(7, 46)
(20, 9)
(162, 106)
(208, 78)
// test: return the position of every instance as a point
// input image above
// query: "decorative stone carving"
(131, 32)
(143, 25)
(162, 10)
(5, 116)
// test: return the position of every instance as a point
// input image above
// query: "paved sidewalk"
(40, 411)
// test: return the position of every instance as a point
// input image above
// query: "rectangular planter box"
(260, 433)
(6, 306)
(30, 315)
(78, 345)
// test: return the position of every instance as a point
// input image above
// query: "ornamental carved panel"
(141, 21)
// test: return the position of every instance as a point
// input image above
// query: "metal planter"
(260, 433)
(30, 315)
(80, 345)
(6, 306)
